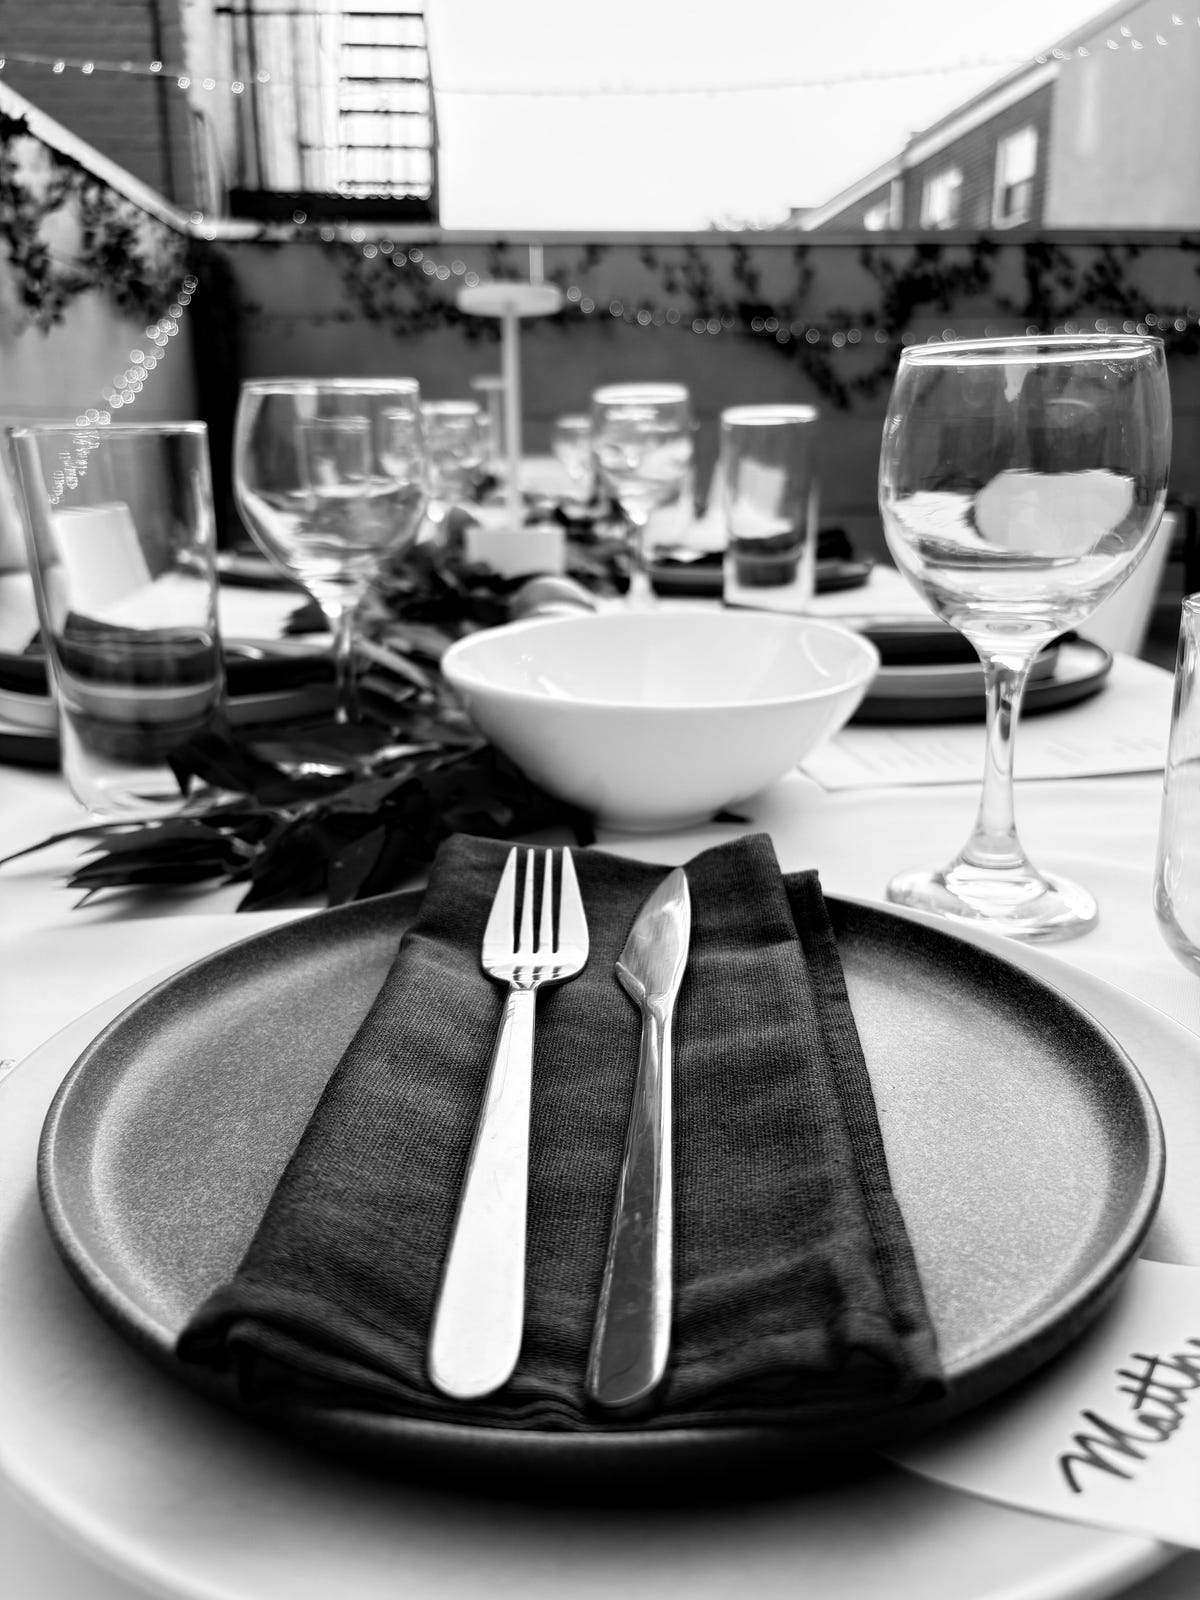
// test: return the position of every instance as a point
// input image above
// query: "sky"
(678, 114)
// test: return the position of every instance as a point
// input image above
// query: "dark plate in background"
(1025, 1151)
(263, 691)
(245, 674)
(705, 576)
(953, 691)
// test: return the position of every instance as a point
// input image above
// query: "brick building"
(138, 119)
(1102, 129)
(246, 107)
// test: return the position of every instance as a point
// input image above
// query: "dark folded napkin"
(797, 1295)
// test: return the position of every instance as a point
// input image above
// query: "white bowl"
(657, 719)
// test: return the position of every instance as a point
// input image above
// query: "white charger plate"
(188, 1500)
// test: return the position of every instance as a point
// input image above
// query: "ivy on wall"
(1061, 285)
(136, 260)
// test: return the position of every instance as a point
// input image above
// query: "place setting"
(576, 1141)
(599, 912)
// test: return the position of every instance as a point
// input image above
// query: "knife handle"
(480, 1314)
(633, 1321)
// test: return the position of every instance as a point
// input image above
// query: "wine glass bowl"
(642, 446)
(330, 479)
(1020, 483)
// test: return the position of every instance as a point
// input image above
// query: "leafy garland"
(1059, 286)
(135, 259)
(292, 833)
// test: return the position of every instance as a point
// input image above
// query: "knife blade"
(631, 1338)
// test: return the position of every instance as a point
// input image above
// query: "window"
(1016, 163)
(941, 197)
(878, 217)
(886, 213)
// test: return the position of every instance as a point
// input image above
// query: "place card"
(1108, 1433)
(514, 552)
(1123, 728)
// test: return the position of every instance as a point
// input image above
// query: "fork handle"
(477, 1326)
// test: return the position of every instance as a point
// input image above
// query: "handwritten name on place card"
(1109, 1433)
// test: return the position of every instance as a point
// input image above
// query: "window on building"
(1016, 163)
(941, 198)
(338, 101)
(878, 217)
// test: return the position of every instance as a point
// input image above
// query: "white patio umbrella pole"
(513, 549)
(510, 302)
(510, 371)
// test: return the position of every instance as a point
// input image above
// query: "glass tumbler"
(120, 529)
(767, 470)
(1177, 870)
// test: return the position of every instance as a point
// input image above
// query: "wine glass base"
(1021, 904)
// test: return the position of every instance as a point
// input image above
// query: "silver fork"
(477, 1325)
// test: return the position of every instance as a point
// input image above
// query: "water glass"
(488, 390)
(769, 491)
(457, 444)
(120, 529)
(1177, 871)
(571, 446)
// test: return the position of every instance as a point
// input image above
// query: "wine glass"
(1020, 483)
(456, 444)
(571, 446)
(642, 445)
(330, 476)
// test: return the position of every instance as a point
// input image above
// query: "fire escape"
(336, 119)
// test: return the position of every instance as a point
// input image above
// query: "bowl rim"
(452, 670)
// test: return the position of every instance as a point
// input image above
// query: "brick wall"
(974, 153)
(143, 123)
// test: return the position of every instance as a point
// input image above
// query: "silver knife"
(633, 1322)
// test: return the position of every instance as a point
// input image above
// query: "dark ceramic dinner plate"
(1025, 1150)
(952, 691)
(263, 691)
(704, 577)
(246, 674)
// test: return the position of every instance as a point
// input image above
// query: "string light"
(1123, 39)
(776, 327)
(122, 392)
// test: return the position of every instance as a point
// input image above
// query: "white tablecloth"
(57, 961)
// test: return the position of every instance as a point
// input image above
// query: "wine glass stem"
(641, 590)
(342, 619)
(993, 842)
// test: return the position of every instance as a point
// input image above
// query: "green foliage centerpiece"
(294, 828)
